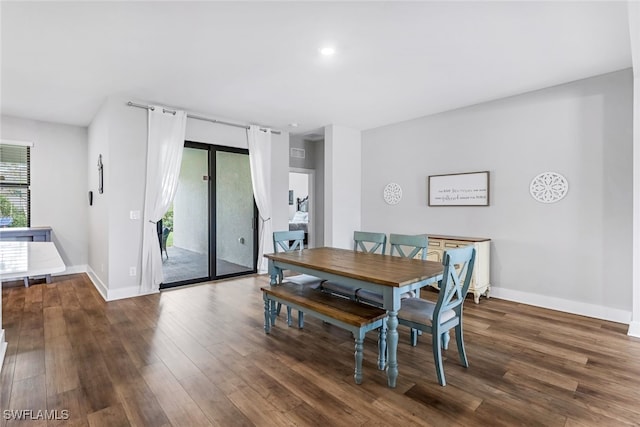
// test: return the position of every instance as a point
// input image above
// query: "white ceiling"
(258, 62)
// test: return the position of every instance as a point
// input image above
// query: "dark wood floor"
(199, 356)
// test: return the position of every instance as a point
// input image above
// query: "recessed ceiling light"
(327, 51)
(293, 125)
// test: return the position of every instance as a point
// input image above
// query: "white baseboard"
(131, 291)
(100, 287)
(560, 304)
(634, 329)
(3, 348)
(115, 294)
(73, 269)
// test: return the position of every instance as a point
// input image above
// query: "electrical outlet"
(132, 271)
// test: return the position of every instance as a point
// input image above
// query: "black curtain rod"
(164, 110)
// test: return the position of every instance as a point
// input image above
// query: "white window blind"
(15, 178)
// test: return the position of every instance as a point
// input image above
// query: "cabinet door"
(434, 251)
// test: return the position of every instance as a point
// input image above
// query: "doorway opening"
(301, 203)
(209, 232)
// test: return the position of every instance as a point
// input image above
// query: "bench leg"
(359, 356)
(26, 282)
(392, 343)
(274, 312)
(382, 346)
(300, 319)
(267, 314)
(48, 278)
(289, 321)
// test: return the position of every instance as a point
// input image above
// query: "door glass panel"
(234, 214)
(186, 225)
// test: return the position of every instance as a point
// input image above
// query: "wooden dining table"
(390, 276)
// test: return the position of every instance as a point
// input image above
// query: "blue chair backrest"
(365, 241)
(288, 241)
(412, 244)
(455, 281)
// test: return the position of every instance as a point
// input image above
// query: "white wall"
(573, 255)
(343, 174)
(98, 228)
(125, 132)
(58, 183)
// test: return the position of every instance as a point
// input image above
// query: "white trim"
(634, 329)
(74, 269)
(560, 304)
(97, 283)
(129, 292)
(3, 348)
(311, 183)
(16, 142)
(114, 294)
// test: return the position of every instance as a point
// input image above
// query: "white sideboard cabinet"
(480, 282)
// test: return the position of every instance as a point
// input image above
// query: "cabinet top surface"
(21, 229)
(462, 238)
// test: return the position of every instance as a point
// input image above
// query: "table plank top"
(375, 268)
(25, 259)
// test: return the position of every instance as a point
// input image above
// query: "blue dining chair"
(289, 241)
(363, 241)
(403, 246)
(446, 313)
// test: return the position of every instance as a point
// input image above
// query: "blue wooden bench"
(351, 315)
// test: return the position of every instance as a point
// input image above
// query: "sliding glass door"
(209, 233)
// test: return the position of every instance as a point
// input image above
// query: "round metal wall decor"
(392, 193)
(549, 187)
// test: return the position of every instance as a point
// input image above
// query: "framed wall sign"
(459, 189)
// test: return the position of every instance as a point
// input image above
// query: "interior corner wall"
(573, 255)
(58, 183)
(634, 32)
(343, 185)
(318, 191)
(98, 221)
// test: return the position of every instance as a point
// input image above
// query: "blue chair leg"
(437, 356)
(461, 351)
(445, 340)
(414, 337)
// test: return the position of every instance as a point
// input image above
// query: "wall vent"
(298, 153)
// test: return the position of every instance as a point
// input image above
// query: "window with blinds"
(15, 178)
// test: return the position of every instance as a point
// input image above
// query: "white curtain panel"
(164, 156)
(260, 161)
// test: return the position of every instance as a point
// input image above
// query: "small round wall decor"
(549, 187)
(392, 193)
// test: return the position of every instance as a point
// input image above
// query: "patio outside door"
(211, 232)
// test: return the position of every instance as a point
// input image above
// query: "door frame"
(211, 218)
(311, 229)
